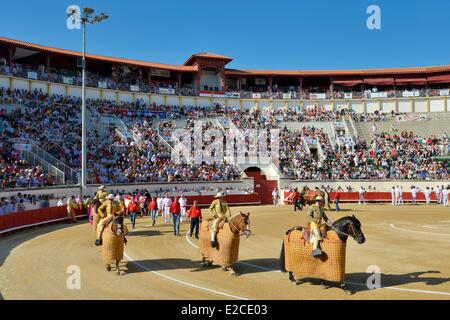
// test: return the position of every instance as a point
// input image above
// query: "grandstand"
(333, 125)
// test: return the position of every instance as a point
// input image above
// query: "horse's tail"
(282, 255)
(282, 259)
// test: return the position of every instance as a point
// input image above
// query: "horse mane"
(350, 218)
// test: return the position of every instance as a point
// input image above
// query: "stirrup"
(98, 242)
(213, 243)
(316, 253)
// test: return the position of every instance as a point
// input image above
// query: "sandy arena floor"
(409, 244)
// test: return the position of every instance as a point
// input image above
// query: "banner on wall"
(375, 95)
(260, 81)
(212, 94)
(348, 95)
(166, 90)
(236, 95)
(32, 75)
(68, 80)
(317, 96)
(444, 92)
(286, 96)
(407, 94)
(134, 88)
(160, 73)
(411, 118)
(256, 95)
(102, 84)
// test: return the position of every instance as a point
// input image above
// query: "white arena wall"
(413, 104)
(173, 188)
(355, 184)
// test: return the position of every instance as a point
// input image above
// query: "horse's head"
(117, 225)
(241, 222)
(349, 226)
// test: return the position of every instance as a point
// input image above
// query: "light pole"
(85, 17)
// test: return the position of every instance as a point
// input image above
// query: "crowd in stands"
(54, 124)
(127, 78)
(23, 202)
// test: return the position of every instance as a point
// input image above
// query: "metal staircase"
(36, 156)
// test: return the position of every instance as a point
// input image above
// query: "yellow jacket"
(101, 195)
(106, 209)
(220, 208)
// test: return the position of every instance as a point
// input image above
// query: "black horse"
(344, 227)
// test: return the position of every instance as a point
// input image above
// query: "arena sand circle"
(409, 245)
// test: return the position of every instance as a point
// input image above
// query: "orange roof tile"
(233, 72)
(145, 64)
(207, 55)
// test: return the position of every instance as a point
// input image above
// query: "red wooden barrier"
(16, 220)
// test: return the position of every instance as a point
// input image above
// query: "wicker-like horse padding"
(227, 252)
(112, 247)
(95, 220)
(299, 260)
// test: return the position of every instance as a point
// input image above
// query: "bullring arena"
(409, 244)
(357, 135)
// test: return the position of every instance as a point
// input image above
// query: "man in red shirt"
(133, 210)
(337, 197)
(195, 215)
(297, 200)
(153, 207)
(175, 210)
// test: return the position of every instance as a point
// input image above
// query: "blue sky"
(283, 34)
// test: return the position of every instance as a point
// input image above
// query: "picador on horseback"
(315, 215)
(220, 210)
(107, 211)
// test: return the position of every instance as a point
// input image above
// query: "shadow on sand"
(358, 280)
(164, 265)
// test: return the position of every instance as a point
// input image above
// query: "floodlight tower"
(84, 17)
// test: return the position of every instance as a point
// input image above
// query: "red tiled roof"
(207, 55)
(232, 72)
(145, 64)
(360, 72)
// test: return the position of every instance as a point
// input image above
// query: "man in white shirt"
(445, 192)
(397, 195)
(183, 206)
(275, 197)
(414, 195)
(400, 197)
(393, 197)
(438, 194)
(166, 203)
(362, 195)
(61, 202)
(159, 204)
(427, 193)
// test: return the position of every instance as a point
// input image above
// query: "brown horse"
(227, 251)
(309, 196)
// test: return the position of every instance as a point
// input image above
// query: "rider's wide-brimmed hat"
(219, 195)
(319, 198)
(102, 187)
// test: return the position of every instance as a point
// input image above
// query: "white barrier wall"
(407, 105)
(384, 186)
(39, 86)
(109, 95)
(76, 91)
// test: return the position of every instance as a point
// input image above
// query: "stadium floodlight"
(84, 18)
(88, 10)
